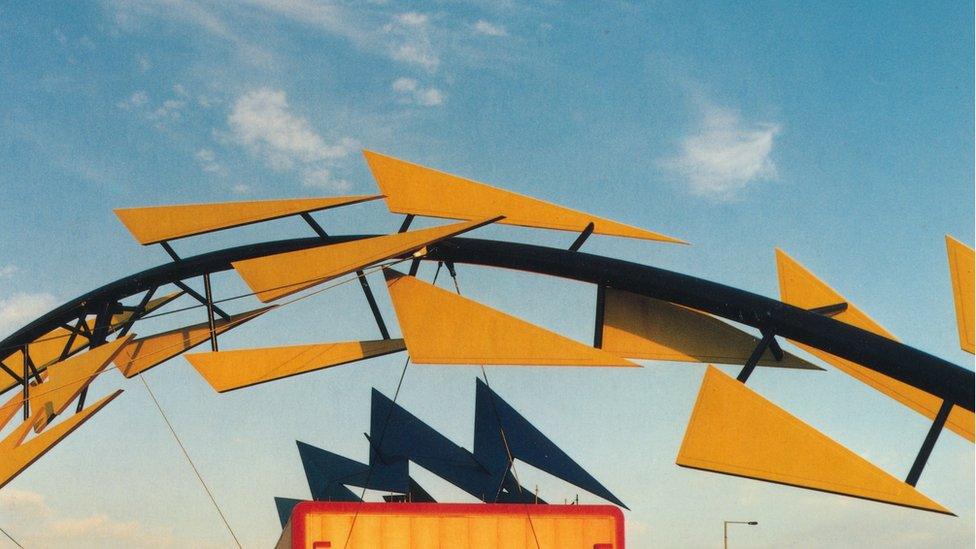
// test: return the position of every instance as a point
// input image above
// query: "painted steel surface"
(736, 431)
(144, 353)
(441, 327)
(455, 526)
(800, 287)
(276, 276)
(636, 326)
(962, 263)
(66, 379)
(17, 455)
(229, 370)
(156, 224)
(413, 189)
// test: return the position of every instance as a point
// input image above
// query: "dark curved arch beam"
(897, 360)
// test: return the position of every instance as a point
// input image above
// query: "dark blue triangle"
(525, 443)
(284, 506)
(398, 437)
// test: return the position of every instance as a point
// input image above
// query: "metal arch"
(897, 360)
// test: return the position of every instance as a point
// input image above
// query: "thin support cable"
(11, 538)
(190, 461)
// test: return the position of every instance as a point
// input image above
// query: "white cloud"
(262, 121)
(18, 309)
(411, 92)
(6, 271)
(136, 100)
(489, 29)
(409, 40)
(145, 65)
(413, 19)
(208, 162)
(724, 155)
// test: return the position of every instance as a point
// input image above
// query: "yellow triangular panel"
(413, 189)
(961, 267)
(158, 223)
(637, 326)
(10, 409)
(735, 431)
(16, 456)
(229, 370)
(801, 288)
(441, 327)
(119, 319)
(142, 354)
(275, 276)
(65, 380)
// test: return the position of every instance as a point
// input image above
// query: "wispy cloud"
(263, 122)
(489, 29)
(411, 92)
(209, 164)
(20, 308)
(134, 101)
(6, 271)
(724, 154)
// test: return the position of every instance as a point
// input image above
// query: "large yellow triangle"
(413, 189)
(229, 370)
(16, 455)
(275, 276)
(637, 326)
(441, 327)
(735, 431)
(799, 287)
(142, 354)
(962, 263)
(66, 379)
(154, 224)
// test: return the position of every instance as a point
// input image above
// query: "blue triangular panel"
(397, 437)
(284, 506)
(525, 443)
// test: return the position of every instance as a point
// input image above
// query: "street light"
(726, 524)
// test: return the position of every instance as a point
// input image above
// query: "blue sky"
(842, 134)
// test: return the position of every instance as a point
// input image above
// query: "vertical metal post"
(26, 387)
(601, 306)
(210, 312)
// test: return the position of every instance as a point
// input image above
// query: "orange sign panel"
(735, 431)
(414, 189)
(801, 288)
(441, 327)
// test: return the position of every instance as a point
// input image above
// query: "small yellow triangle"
(275, 276)
(441, 327)
(65, 380)
(962, 263)
(141, 354)
(154, 224)
(16, 455)
(413, 189)
(735, 431)
(799, 287)
(637, 326)
(229, 370)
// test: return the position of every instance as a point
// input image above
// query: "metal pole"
(210, 312)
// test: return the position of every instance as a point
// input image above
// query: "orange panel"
(275, 276)
(801, 288)
(415, 189)
(142, 354)
(961, 266)
(16, 455)
(158, 223)
(441, 327)
(229, 370)
(66, 379)
(735, 431)
(637, 326)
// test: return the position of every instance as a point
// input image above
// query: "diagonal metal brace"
(764, 343)
(368, 292)
(575, 246)
(929, 443)
(196, 295)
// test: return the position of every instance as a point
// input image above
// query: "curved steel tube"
(897, 360)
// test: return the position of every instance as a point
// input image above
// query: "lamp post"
(725, 528)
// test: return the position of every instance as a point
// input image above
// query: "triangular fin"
(961, 266)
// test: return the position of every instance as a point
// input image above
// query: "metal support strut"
(929, 443)
(757, 353)
(210, 312)
(601, 305)
(364, 282)
(315, 226)
(169, 249)
(406, 223)
(196, 295)
(575, 246)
